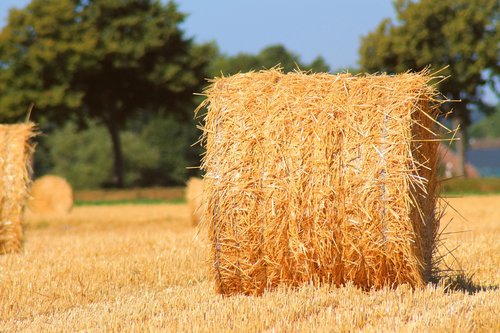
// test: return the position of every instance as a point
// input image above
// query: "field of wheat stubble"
(144, 268)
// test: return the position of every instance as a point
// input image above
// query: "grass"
(163, 193)
(143, 268)
(140, 201)
(175, 195)
(479, 186)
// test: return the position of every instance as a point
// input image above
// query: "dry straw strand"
(15, 161)
(320, 178)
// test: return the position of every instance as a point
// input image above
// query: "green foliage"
(348, 69)
(172, 141)
(39, 53)
(267, 58)
(81, 157)
(139, 157)
(488, 127)
(157, 152)
(457, 34)
(460, 186)
(129, 202)
(458, 37)
(105, 60)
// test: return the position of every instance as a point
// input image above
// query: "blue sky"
(310, 28)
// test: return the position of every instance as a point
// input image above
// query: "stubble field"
(144, 269)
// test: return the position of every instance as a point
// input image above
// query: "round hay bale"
(16, 151)
(194, 198)
(316, 178)
(51, 195)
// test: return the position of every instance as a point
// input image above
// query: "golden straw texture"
(15, 161)
(319, 178)
(51, 194)
(194, 195)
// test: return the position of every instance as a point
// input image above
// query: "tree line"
(117, 78)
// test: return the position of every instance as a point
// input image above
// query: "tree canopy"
(488, 127)
(458, 37)
(268, 57)
(98, 59)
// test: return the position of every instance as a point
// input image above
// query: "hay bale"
(194, 193)
(15, 161)
(320, 178)
(51, 194)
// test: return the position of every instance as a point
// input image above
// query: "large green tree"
(104, 60)
(457, 35)
(268, 57)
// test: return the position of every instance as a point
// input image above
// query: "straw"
(194, 193)
(320, 178)
(15, 160)
(51, 194)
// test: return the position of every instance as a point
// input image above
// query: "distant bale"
(319, 178)
(16, 151)
(194, 198)
(51, 195)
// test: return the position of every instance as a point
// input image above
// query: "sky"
(331, 29)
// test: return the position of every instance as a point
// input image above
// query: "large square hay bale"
(15, 161)
(320, 178)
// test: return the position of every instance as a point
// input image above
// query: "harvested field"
(143, 268)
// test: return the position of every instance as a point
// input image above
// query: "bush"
(173, 141)
(138, 158)
(82, 157)
(156, 153)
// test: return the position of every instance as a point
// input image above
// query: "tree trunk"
(117, 153)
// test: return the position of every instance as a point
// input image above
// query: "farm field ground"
(144, 268)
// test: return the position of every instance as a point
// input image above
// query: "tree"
(457, 35)
(488, 127)
(267, 58)
(174, 156)
(82, 157)
(98, 59)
